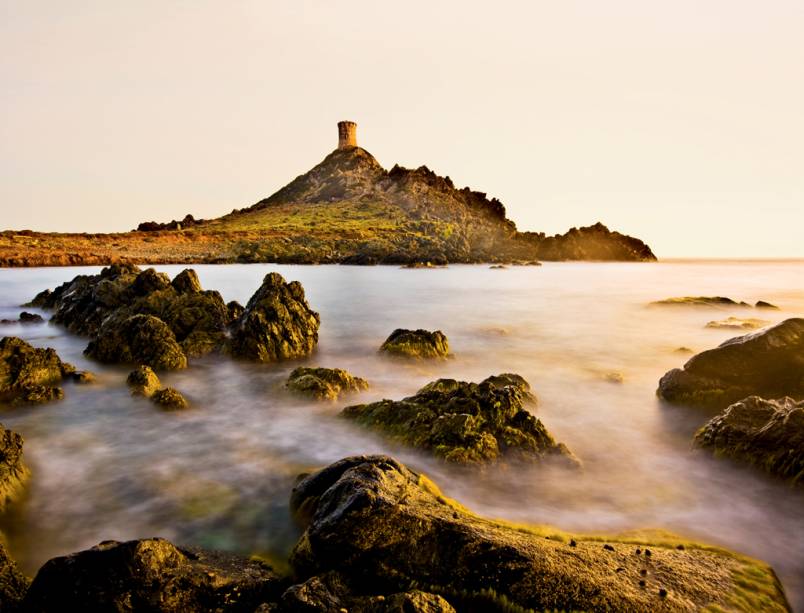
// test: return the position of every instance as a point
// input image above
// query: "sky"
(678, 122)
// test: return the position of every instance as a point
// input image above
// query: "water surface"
(108, 466)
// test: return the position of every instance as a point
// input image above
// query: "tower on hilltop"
(347, 134)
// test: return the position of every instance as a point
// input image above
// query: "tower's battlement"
(347, 134)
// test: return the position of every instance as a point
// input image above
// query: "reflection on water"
(106, 465)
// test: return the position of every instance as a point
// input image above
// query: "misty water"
(108, 466)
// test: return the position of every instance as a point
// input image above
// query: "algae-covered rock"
(416, 344)
(13, 472)
(139, 339)
(13, 584)
(169, 399)
(767, 363)
(324, 383)
(464, 422)
(186, 282)
(143, 381)
(152, 575)
(737, 323)
(276, 324)
(30, 375)
(385, 527)
(766, 433)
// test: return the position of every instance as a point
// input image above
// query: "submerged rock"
(324, 383)
(169, 399)
(736, 323)
(13, 472)
(766, 433)
(464, 422)
(25, 318)
(768, 363)
(384, 527)
(416, 344)
(28, 374)
(152, 575)
(139, 339)
(277, 323)
(143, 381)
(13, 584)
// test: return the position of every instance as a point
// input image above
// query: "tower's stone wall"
(347, 134)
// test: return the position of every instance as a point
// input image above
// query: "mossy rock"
(30, 375)
(385, 528)
(169, 399)
(324, 383)
(13, 584)
(766, 433)
(416, 344)
(465, 423)
(143, 381)
(139, 339)
(13, 472)
(768, 363)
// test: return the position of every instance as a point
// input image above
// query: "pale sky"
(679, 122)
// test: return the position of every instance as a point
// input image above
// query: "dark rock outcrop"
(768, 363)
(464, 422)
(416, 344)
(385, 528)
(13, 472)
(25, 318)
(324, 383)
(766, 433)
(152, 575)
(169, 399)
(138, 339)
(277, 323)
(28, 374)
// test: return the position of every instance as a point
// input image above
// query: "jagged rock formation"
(594, 242)
(384, 527)
(13, 584)
(30, 375)
(466, 423)
(768, 363)
(324, 383)
(766, 433)
(13, 472)
(142, 317)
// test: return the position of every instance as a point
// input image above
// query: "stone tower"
(347, 134)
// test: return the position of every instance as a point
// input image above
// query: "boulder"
(736, 323)
(13, 472)
(276, 324)
(416, 344)
(29, 374)
(387, 528)
(25, 318)
(152, 575)
(13, 584)
(139, 339)
(767, 363)
(324, 383)
(766, 433)
(143, 381)
(169, 399)
(466, 423)
(186, 282)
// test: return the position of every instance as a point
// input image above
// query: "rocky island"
(349, 210)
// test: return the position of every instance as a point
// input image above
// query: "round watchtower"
(347, 134)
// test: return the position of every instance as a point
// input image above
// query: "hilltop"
(347, 209)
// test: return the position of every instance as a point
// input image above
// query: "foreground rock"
(30, 375)
(766, 433)
(13, 472)
(13, 584)
(151, 575)
(768, 363)
(464, 422)
(178, 319)
(277, 323)
(324, 383)
(386, 527)
(736, 323)
(143, 381)
(169, 399)
(416, 344)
